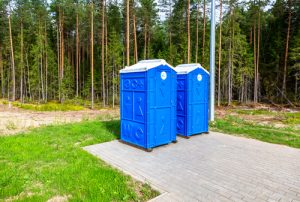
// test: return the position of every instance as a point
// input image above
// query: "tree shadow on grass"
(113, 127)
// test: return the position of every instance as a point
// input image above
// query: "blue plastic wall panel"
(192, 102)
(198, 97)
(161, 106)
(181, 104)
(133, 108)
(148, 107)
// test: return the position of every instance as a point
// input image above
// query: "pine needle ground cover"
(49, 163)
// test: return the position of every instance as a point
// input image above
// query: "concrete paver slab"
(214, 167)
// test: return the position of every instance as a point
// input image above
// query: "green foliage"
(295, 61)
(49, 162)
(67, 85)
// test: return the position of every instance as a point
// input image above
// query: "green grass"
(233, 125)
(49, 161)
(292, 118)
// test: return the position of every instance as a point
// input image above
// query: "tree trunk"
(77, 56)
(58, 55)
(92, 53)
(102, 53)
(188, 32)
(22, 63)
(113, 85)
(286, 50)
(148, 45)
(46, 64)
(204, 31)
(254, 51)
(257, 57)
(62, 46)
(12, 60)
(107, 87)
(42, 79)
(220, 56)
(79, 69)
(135, 40)
(145, 41)
(127, 33)
(41, 66)
(229, 74)
(106, 57)
(2, 73)
(231, 55)
(8, 82)
(243, 89)
(46, 76)
(197, 33)
(83, 66)
(296, 86)
(62, 51)
(28, 78)
(230, 59)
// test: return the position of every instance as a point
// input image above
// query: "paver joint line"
(214, 167)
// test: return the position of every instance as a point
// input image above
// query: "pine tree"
(92, 54)
(287, 47)
(12, 59)
(220, 56)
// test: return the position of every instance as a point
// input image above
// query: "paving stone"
(214, 167)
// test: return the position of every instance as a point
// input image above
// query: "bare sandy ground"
(275, 119)
(14, 120)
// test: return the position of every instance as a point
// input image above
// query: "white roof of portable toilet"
(144, 65)
(187, 68)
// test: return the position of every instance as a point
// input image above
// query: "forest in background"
(64, 49)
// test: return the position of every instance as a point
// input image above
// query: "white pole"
(212, 62)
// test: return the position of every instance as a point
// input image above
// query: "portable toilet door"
(192, 99)
(148, 104)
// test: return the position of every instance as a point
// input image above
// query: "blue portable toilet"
(148, 104)
(192, 99)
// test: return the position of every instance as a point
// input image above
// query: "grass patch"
(237, 126)
(11, 125)
(49, 162)
(292, 118)
(49, 106)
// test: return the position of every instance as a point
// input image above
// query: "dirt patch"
(58, 199)
(259, 114)
(14, 120)
(20, 196)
